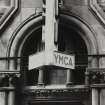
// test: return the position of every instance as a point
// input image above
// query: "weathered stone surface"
(26, 12)
(31, 3)
(102, 97)
(76, 2)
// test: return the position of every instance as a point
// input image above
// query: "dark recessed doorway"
(57, 103)
(70, 42)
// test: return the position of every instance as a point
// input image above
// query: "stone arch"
(34, 22)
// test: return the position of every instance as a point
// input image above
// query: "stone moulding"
(9, 11)
(40, 92)
(96, 9)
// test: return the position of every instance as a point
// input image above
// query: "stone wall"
(79, 8)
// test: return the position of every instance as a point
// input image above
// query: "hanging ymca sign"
(48, 59)
(7, 9)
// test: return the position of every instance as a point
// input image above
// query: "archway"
(75, 36)
(24, 40)
(70, 42)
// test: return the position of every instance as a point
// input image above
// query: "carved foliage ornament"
(56, 92)
(7, 9)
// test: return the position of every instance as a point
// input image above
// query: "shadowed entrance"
(71, 40)
(57, 103)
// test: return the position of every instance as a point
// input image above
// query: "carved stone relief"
(98, 7)
(7, 9)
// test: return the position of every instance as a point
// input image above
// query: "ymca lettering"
(56, 59)
(64, 60)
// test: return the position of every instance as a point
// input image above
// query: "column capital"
(6, 78)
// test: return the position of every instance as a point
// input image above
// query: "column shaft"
(95, 97)
(41, 77)
(69, 77)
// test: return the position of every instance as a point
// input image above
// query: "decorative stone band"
(39, 92)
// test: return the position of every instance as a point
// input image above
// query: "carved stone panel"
(101, 3)
(7, 9)
(97, 7)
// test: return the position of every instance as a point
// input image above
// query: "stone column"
(41, 78)
(2, 93)
(69, 77)
(11, 93)
(11, 98)
(2, 98)
(13, 82)
(102, 96)
(86, 78)
(95, 97)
